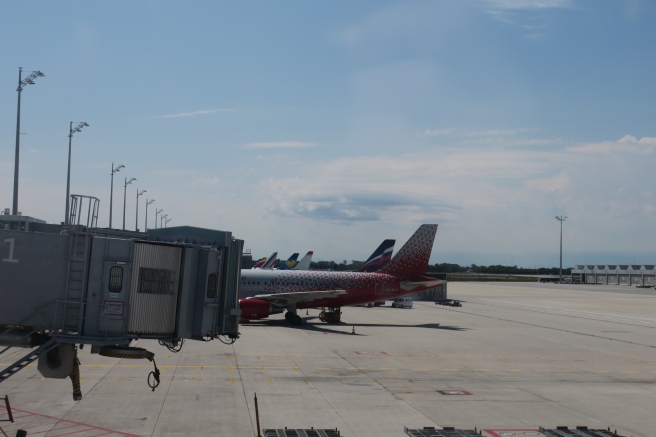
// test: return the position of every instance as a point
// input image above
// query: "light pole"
(166, 223)
(157, 211)
(29, 80)
(148, 202)
(561, 219)
(71, 131)
(161, 220)
(111, 195)
(136, 220)
(125, 191)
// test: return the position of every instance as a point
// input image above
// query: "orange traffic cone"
(353, 331)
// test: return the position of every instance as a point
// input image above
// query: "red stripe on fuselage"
(360, 287)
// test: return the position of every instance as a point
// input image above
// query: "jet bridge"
(74, 285)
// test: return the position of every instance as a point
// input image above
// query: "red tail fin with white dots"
(412, 259)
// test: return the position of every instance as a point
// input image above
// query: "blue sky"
(330, 126)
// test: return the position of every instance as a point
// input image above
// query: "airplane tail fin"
(260, 263)
(304, 264)
(380, 258)
(413, 257)
(271, 261)
(290, 263)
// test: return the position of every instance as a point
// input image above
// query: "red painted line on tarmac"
(74, 432)
(97, 435)
(58, 420)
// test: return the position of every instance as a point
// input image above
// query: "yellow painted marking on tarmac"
(268, 380)
(232, 380)
(163, 367)
(230, 368)
(419, 369)
(287, 358)
(601, 371)
(296, 369)
(572, 371)
(82, 378)
(542, 370)
(130, 366)
(452, 370)
(120, 378)
(194, 379)
(480, 370)
(198, 367)
(513, 370)
(95, 367)
(306, 381)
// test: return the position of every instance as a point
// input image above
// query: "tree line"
(448, 268)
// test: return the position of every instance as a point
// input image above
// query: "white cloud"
(530, 4)
(438, 132)
(626, 144)
(191, 114)
(212, 181)
(279, 145)
(557, 183)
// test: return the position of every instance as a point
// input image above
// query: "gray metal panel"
(33, 271)
(106, 311)
(153, 311)
(187, 298)
(227, 322)
(206, 308)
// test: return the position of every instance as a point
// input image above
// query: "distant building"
(615, 274)
(18, 222)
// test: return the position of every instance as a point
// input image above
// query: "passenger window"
(212, 281)
(115, 279)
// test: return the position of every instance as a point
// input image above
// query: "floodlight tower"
(29, 80)
(125, 191)
(111, 195)
(561, 219)
(166, 223)
(157, 211)
(71, 131)
(161, 220)
(136, 220)
(148, 202)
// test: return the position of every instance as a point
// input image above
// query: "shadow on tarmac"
(318, 326)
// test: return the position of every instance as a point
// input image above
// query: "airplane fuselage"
(360, 288)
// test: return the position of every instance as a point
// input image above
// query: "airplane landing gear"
(292, 318)
(331, 315)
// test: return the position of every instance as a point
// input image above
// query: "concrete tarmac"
(515, 356)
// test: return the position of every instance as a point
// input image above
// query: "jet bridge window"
(115, 279)
(156, 281)
(212, 281)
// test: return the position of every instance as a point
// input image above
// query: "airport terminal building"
(615, 274)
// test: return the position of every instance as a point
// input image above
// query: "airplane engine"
(255, 309)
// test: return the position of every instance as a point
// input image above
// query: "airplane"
(266, 263)
(260, 263)
(278, 291)
(290, 263)
(380, 258)
(304, 264)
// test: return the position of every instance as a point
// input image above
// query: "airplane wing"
(284, 299)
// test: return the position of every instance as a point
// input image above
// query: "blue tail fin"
(290, 263)
(379, 258)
